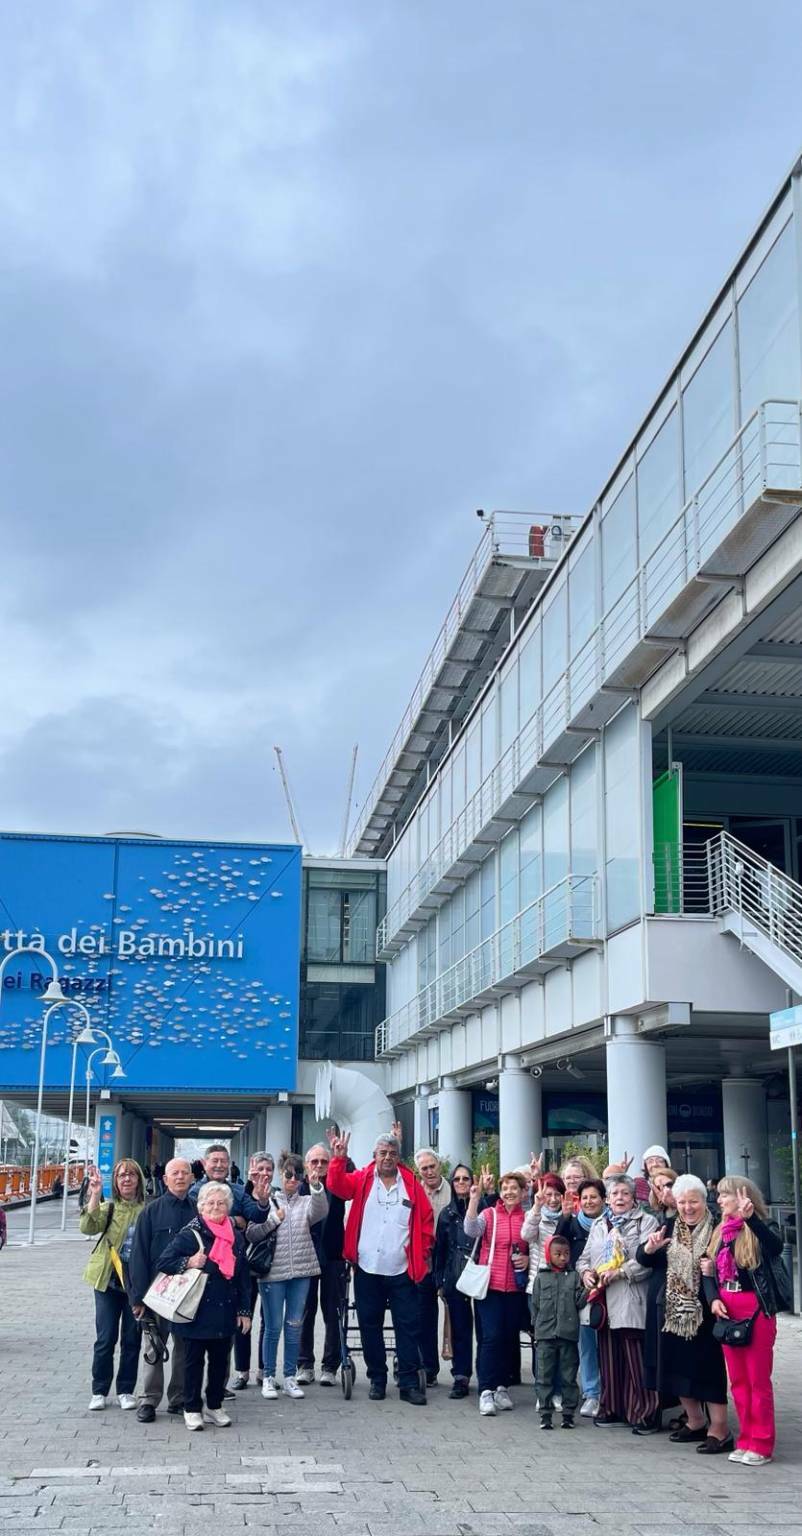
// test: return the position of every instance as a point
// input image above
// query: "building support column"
(454, 1123)
(420, 1111)
(279, 1129)
(637, 1115)
(746, 1136)
(520, 1114)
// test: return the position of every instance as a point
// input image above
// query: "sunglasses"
(288, 1174)
(461, 1178)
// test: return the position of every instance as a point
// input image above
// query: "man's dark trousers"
(372, 1295)
(329, 1288)
(429, 1315)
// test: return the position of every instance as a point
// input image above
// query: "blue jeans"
(283, 1302)
(589, 1374)
(113, 1319)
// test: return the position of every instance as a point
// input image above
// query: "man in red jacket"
(389, 1236)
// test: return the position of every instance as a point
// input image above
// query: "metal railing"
(766, 898)
(765, 455)
(504, 534)
(681, 879)
(565, 915)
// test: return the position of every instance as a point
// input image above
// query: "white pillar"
(636, 1092)
(420, 1111)
(454, 1123)
(279, 1129)
(746, 1136)
(520, 1114)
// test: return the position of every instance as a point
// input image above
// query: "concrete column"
(420, 1110)
(279, 1129)
(746, 1136)
(454, 1123)
(520, 1114)
(636, 1092)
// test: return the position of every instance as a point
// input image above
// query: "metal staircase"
(758, 904)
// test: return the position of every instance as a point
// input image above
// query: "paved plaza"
(325, 1466)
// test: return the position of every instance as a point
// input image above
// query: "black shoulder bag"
(260, 1255)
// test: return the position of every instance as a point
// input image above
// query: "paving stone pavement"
(325, 1467)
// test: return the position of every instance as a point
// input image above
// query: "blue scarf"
(618, 1221)
(585, 1222)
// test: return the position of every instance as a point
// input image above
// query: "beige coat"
(626, 1294)
(295, 1252)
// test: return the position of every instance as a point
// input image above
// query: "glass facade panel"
(658, 487)
(489, 896)
(621, 820)
(619, 546)
(338, 1020)
(555, 861)
(554, 639)
(529, 675)
(473, 762)
(509, 705)
(508, 878)
(458, 781)
(473, 908)
(582, 595)
(324, 926)
(768, 329)
(531, 856)
(489, 738)
(427, 954)
(708, 407)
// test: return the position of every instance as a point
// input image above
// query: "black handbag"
(734, 1332)
(260, 1255)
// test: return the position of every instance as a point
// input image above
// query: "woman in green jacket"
(112, 1222)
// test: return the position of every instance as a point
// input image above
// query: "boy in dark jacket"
(557, 1296)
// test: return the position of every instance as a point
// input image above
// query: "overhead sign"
(785, 1028)
(188, 954)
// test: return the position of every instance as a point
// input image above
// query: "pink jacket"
(508, 1231)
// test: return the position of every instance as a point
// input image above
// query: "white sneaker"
(193, 1420)
(502, 1399)
(487, 1403)
(327, 1378)
(96, 1402)
(269, 1388)
(589, 1408)
(126, 1401)
(305, 1375)
(292, 1388)
(736, 1455)
(558, 1402)
(240, 1381)
(754, 1459)
(218, 1417)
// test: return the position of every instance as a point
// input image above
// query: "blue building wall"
(187, 953)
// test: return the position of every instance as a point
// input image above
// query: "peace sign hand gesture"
(487, 1181)
(745, 1206)
(338, 1144)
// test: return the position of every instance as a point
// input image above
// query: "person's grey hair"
(214, 1187)
(688, 1183)
(173, 1161)
(264, 1157)
(621, 1178)
(387, 1141)
(317, 1146)
(426, 1152)
(217, 1146)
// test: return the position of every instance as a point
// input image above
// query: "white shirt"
(384, 1235)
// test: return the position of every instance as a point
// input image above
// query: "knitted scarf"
(726, 1267)
(685, 1251)
(585, 1222)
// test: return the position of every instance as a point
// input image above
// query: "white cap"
(656, 1151)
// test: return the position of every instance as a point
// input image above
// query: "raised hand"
(338, 1143)
(486, 1179)
(626, 1161)
(281, 1213)
(745, 1206)
(475, 1193)
(397, 1130)
(657, 1240)
(535, 1165)
(568, 1203)
(95, 1182)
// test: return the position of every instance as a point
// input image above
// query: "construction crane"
(285, 784)
(348, 794)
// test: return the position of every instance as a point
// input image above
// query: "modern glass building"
(591, 812)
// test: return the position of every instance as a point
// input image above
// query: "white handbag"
(475, 1278)
(177, 1297)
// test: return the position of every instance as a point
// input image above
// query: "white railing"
(766, 454)
(504, 534)
(744, 883)
(565, 915)
(681, 879)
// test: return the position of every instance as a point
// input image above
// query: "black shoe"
(609, 1421)
(413, 1395)
(545, 1421)
(687, 1436)
(460, 1388)
(431, 1378)
(146, 1413)
(568, 1421)
(175, 1409)
(648, 1427)
(228, 1396)
(378, 1391)
(713, 1447)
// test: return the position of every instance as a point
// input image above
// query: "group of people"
(641, 1295)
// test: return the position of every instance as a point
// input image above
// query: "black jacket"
(223, 1300)
(328, 1235)
(451, 1244)
(758, 1280)
(156, 1227)
(569, 1226)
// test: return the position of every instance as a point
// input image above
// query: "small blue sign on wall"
(106, 1150)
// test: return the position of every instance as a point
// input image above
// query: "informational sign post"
(106, 1150)
(785, 1028)
(786, 1034)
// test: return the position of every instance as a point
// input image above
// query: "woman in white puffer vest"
(283, 1293)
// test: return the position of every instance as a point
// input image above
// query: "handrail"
(503, 533)
(566, 913)
(763, 895)
(755, 454)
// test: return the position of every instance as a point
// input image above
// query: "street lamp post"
(110, 1059)
(54, 996)
(86, 1036)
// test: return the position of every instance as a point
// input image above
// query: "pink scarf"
(726, 1267)
(222, 1249)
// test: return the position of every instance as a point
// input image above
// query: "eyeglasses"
(462, 1178)
(288, 1174)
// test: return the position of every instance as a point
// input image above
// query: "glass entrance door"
(767, 837)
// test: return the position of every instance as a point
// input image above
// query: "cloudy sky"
(286, 292)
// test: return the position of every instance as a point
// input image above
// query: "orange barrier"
(15, 1181)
